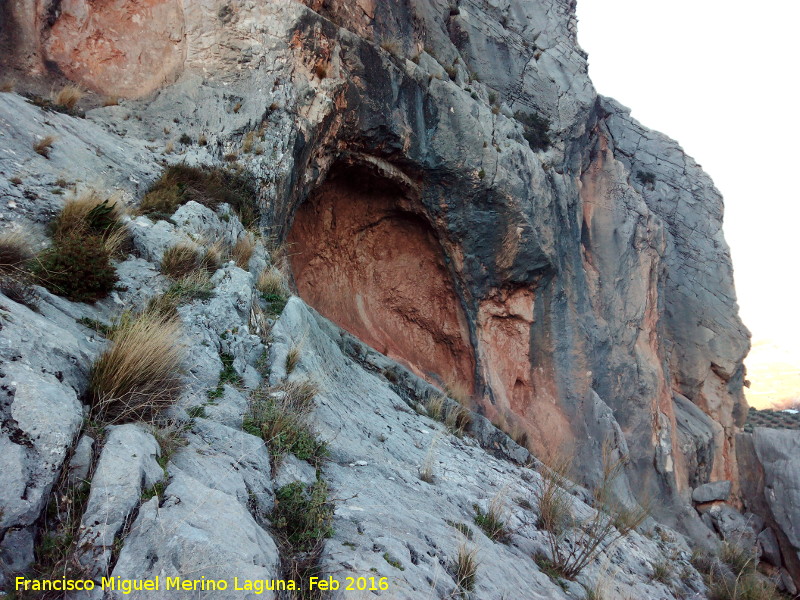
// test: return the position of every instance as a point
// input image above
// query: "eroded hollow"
(364, 257)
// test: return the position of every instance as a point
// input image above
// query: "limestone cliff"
(453, 192)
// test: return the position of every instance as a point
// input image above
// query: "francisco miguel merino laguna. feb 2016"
(256, 586)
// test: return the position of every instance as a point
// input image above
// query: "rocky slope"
(455, 194)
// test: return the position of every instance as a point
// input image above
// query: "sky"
(721, 78)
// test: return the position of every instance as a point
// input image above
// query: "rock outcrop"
(450, 190)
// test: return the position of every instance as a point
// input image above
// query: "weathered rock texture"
(580, 293)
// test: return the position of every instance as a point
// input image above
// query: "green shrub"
(536, 130)
(645, 177)
(77, 267)
(303, 515)
(206, 185)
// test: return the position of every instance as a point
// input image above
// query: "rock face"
(772, 490)
(451, 190)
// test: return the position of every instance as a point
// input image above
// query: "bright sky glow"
(721, 77)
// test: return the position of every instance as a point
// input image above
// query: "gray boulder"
(127, 466)
(196, 532)
(710, 492)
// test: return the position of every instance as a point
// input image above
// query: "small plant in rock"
(426, 470)
(661, 572)
(465, 570)
(195, 286)
(140, 374)
(272, 283)
(536, 130)
(303, 514)
(748, 584)
(462, 528)
(55, 551)
(227, 375)
(436, 406)
(280, 418)
(492, 522)
(171, 436)
(43, 145)
(393, 561)
(457, 419)
(181, 260)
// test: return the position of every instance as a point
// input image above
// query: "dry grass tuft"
(8, 86)
(140, 374)
(435, 406)
(181, 260)
(458, 391)
(214, 255)
(67, 97)
(88, 212)
(426, 471)
(242, 252)
(43, 146)
(458, 419)
(110, 101)
(292, 358)
(15, 251)
(465, 569)
(271, 282)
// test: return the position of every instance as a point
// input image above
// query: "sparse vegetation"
(43, 145)
(457, 419)
(435, 406)
(392, 46)
(775, 419)
(206, 185)
(280, 418)
(592, 535)
(536, 130)
(227, 375)
(393, 561)
(462, 528)
(271, 282)
(140, 374)
(661, 572)
(303, 514)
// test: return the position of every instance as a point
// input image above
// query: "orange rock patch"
(364, 257)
